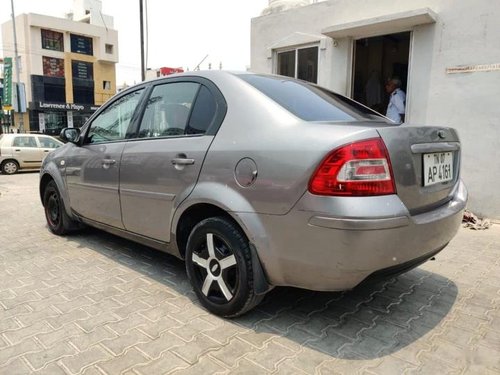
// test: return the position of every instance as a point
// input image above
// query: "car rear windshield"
(310, 102)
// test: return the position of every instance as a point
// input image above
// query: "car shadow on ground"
(368, 322)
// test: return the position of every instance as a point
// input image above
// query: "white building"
(447, 53)
(66, 64)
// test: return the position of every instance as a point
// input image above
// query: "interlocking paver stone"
(246, 367)
(18, 335)
(160, 345)
(122, 326)
(271, 356)
(16, 367)
(155, 329)
(231, 354)
(162, 365)
(75, 364)
(123, 342)
(85, 340)
(38, 360)
(53, 369)
(193, 350)
(7, 354)
(126, 361)
(19, 300)
(63, 319)
(106, 317)
(188, 331)
(223, 333)
(102, 306)
(9, 325)
(286, 369)
(92, 303)
(55, 337)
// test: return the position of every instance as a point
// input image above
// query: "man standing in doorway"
(397, 99)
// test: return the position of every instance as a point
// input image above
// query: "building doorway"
(377, 59)
(54, 122)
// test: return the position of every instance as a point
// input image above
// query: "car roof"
(11, 135)
(202, 73)
(208, 74)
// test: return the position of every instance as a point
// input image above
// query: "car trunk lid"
(425, 162)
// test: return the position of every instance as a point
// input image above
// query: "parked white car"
(24, 151)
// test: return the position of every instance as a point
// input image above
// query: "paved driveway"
(93, 303)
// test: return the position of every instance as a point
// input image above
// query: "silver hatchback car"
(258, 181)
(24, 151)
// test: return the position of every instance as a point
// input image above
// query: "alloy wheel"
(216, 271)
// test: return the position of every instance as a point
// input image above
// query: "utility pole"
(21, 117)
(143, 68)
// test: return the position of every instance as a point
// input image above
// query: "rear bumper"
(399, 269)
(315, 250)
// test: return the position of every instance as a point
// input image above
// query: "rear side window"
(203, 112)
(309, 102)
(168, 108)
(24, 142)
(48, 142)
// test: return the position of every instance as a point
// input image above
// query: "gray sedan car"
(258, 181)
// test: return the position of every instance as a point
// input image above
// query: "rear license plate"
(438, 167)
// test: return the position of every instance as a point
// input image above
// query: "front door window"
(112, 123)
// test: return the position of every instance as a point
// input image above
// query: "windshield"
(310, 102)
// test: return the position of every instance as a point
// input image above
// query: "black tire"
(10, 167)
(58, 220)
(228, 263)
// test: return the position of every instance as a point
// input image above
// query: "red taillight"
(357, 169)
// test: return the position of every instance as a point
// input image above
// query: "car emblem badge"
(441, 134)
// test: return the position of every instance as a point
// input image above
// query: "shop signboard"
(82, 70)
(7, 84)
(81, 44)
(48, 106)
(53, 67)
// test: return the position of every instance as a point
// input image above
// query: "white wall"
(23, 48)
(467, 32)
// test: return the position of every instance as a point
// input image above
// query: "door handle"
(182, 161)
(46, 150)
(106, 163)
(17, 150)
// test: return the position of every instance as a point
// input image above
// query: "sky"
(180, 33)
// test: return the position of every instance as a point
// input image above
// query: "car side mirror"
(70, 135)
